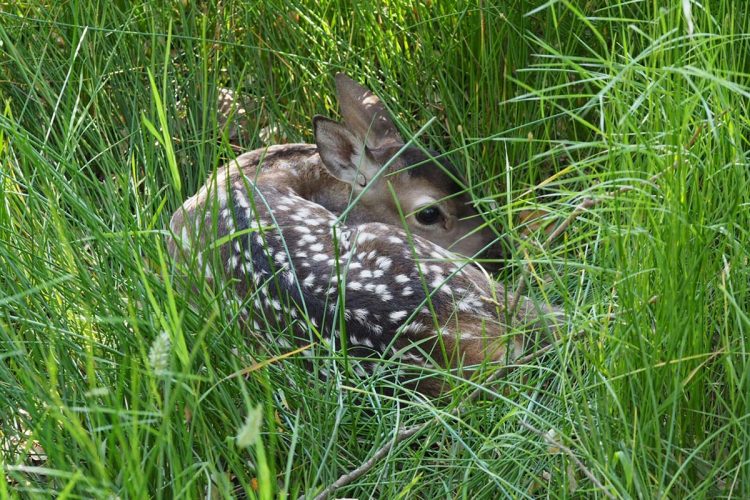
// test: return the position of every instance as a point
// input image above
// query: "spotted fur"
(291, 256)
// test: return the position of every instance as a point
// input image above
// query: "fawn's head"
(363, 152)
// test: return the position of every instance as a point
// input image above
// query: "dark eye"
(428, 216)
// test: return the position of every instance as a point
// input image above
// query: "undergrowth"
(115, 383)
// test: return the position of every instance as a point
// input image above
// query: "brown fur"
(407, 294)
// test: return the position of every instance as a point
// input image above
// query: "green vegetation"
(111, 384)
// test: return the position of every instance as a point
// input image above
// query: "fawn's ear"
(344, 155)
(365, 114)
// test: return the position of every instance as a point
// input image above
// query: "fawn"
(356, 239)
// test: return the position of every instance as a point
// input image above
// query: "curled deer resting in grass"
(387, 273)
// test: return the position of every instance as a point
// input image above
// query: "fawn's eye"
(429, 216)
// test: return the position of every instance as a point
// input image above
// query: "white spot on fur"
(309, 280)
(382, 291)
(185, 240)
(415, 327)
(383, 263)
(229, 223)
(360, 315)
(367, 342)
(364, 237)
(413, 358)
(303, 212)
(247, 267)
(241, 199)
(234, 260)
(397, 316)
(469, 303)
(376, 329)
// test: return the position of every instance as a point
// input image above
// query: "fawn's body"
(396, 293)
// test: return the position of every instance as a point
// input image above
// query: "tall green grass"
(114, 383)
